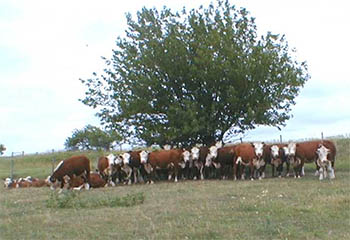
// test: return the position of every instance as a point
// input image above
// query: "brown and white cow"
(109, 168)
(274, 155)
(171, 160)
(248, 154)
(324, 163)
(223, 161)
(132, 166)
(73, 166)
(306, 152)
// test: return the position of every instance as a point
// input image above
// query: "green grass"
(275, 208)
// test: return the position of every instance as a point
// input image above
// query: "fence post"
(280, 138)
(322, 136)
(241, 140)
(53, 161)
(11, 166)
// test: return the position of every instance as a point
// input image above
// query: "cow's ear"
(252, 144)
(297, 144)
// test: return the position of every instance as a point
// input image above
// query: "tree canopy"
(187, 77)
(91, 137)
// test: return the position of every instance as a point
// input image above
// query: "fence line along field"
(273, 208)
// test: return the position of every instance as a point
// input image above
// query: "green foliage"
(91, 138)
(2, 149)
(187, 77)
(74, 199)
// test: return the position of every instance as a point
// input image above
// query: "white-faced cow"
(274, 155)
(306, 152)
(324, 163)
(249, 154)
(73, 166)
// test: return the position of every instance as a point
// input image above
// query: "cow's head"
(144, 157)
(322, 153)
(212, 154)
(258, 149)
(290, 151)
(8, 183)
(167, 147)
(50, 181)
(275, 151)
(126, 158)
(195, 153)
(186, 155)
(275, 156)
(111, 159)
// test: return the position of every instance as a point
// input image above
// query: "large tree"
(91, 137)
(187, 77)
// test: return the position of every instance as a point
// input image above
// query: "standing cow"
(323, 162)
(73, 166)
(306, 152)
(170, 160)
(248, 154)
(274, 155)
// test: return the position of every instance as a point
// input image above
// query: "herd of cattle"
(199, 162)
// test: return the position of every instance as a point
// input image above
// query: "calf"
(76, 165)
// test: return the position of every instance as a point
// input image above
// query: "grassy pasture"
(284, 208)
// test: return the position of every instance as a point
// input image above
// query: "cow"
(323, 162)
(305, 152)
(274, 155)
(96, 181)
(198, 157)
(170, 160)
(248, 154)
(223, 160)
(109, 168)
(211, 166)
(132, 165)
(76, 165)
(291, 159)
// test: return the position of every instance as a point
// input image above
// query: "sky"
(46, 46)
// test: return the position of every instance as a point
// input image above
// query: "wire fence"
(17, 155)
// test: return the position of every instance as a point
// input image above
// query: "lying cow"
(249, 154)
(96, 181)
(24, 182)
(76, 165)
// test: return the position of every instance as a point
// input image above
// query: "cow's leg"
(331, 170)
(252, 168)
(287, 169)
(87, 180)
(321, 170)
(176, 173)
(235, 165)
(273, 170)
